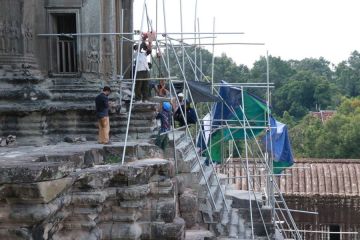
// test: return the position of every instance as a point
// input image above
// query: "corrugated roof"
(311, 177)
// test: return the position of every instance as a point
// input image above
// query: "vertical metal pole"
(270, 158)
(182, 38)
(195, 50)
(183, 58)
(212, 82)
(132, 90)
(247, 162)
(213, 59)
(168, 70)
(200, 53)
(122, 44)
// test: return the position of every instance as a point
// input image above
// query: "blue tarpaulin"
(280, 143)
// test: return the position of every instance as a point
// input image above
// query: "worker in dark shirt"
(162, 139)
(102, 113)
(190, 115)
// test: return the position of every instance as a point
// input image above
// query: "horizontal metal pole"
(291, 167)
(241, 84)
(261, 175)
(124, 33)
(173, 130)
(149, 79)
(230, 43)
(249, 86)
(225, 33)
(299, 211)
(310, 231)
(181, 39)
(80, 34)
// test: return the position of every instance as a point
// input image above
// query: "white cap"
(181, 95)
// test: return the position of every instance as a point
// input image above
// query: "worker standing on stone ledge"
(142, 69)
(102, 113)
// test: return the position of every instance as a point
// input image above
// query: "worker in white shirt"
(142, 73)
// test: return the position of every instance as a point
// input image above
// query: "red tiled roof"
(323, 115)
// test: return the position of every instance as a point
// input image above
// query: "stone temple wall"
(34, 85)
(74, 192)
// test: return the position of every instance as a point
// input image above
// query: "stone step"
(241, 198)
(144, 116)
(186, 165)
(183, 148)
(179, 137)
(132, 136)
(198, 234)
(33, 164)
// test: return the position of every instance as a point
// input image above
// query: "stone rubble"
(9, 141)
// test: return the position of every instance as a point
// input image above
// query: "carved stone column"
(19, 74)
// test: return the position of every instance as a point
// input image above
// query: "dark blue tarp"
(281, 147)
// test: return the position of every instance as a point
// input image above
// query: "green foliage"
(110, 159)
(338, 137)
(280, 71)
(348, 75)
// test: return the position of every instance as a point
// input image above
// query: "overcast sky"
(290, 29)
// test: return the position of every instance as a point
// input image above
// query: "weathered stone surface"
(169, 231)
(15, 234)
(31, 171)
(39, 192)
(166, 210)
(133, 193)
(164, 188)
(94, 234)
(93, 157)
(29, 214)
(91, 198)
(188, 201)
(120, 231)
(189, 207)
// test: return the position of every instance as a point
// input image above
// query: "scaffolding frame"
(281, 215)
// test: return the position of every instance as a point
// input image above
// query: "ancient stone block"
(164, 188)
(93, 157)
(165, 210)
(123, 231)
(91, 198)
(133, 192)
(78, 234)
(29, 214)
(188, 201)
(125, 215)
(39, 192)
(169, 231)
(35, 172)
(15, 234)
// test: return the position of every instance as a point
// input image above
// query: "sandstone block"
(38, 192)
(120, 231)
(35, 172)
(188, 201)
(133, 192)
(169, 231)
(166, 210)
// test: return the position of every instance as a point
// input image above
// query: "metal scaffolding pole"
(132, 91)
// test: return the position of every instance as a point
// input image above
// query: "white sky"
(291, 29)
